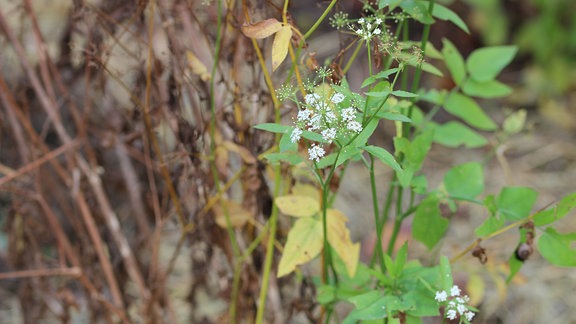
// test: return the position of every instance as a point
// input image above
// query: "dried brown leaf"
(261, 29)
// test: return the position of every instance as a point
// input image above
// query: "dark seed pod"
(524, 251)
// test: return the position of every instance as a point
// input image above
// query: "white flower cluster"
(327, 118)
(455, 304)
(369, 27)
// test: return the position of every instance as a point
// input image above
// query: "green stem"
(378, 247)
(353, 57)
(320, 20)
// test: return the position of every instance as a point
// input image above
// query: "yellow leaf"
(297, 206)
(261, 29)
(304, 242)
(238, 215)
(280, 46)
(307, 190)
(339, 239)
(197, 66)
(476, 287)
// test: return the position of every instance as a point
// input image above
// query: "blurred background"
(110, 211)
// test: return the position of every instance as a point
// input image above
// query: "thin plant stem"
(320, 20)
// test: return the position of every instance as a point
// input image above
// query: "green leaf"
(557, 212)
(454, 134)
(414, 152)
(390, 3)
(368, 306)
(454, 61)
(404, 94)
(427, 67)
(417, 10)
(464, 107)
(290, 158)
(515, 203)
(384, 156)
(315, 137)
(446, 280)
(365, 134)
(393, 116)
(326, 294)
(485, 64)
(429, 226)
(465, 181)
(381, 75)
(274, 128)
(514, 265)
(490, 225)
(557, 248)
(443, 13)
(286, 144)
(486, 89)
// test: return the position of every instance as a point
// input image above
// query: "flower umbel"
(456, 305)
(327, 113)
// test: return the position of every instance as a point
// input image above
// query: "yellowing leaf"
(261, 29)
(476, 287)
(238, 215)
(297, 206)
(339, 239)
(280, 46)
(304, 242)
(307, 190)
(197, 66)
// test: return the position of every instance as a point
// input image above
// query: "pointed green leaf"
(384, 156)
(454, 134)
(464, 107)
(486, 89)
(381, 75)
(442, 12)
(274, 128)
(429, 226)
(557, 248)
(485, 64)
(557, 212)
(515, 203)
(465, 180)
(490, 225)
(454, 61)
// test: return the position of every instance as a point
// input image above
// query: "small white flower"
(441, 296)
(378, 21)
(359, 32)
(337, 98)
(361, 21)
(355, 126)
(455, 291)
(329, 134)
(316, 152)
(295, 136)
(368, 26)
(314, 122)
(451, 314)
(469, 316)
(312, 99)
(377, 31)
(330, 116)
(461, 309)
(348, 114)
(304, 115)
